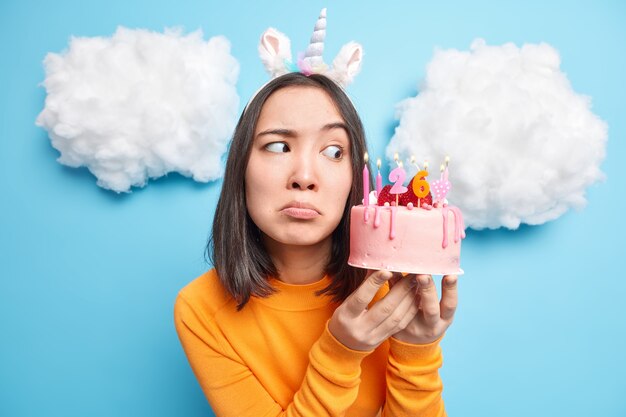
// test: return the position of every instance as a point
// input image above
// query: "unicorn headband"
(275, 53)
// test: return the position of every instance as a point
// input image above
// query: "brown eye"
(277, 147)
(334, 152)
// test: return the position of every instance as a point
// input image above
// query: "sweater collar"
(294, 297)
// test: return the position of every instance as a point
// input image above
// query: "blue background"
(89, 277)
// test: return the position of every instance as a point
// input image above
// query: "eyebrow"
(292, 133)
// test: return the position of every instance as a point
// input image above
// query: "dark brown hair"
(238, 254)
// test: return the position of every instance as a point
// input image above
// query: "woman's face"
(299, 173)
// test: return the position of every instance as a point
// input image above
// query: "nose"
(304, 173)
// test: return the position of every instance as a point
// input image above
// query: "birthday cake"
(401, 229)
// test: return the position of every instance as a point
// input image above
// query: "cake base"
(406, 240)
(458, 272)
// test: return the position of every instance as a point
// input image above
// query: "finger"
(429, 302)
(388, 305)
(449, 297)
(401, 316)
(411, 312)
(358, 301)
(397, 277)
(394, 279)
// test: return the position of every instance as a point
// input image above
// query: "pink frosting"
(414, 241)
(376, 216)
(459, 225)
(392, 228)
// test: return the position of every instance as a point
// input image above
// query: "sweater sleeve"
(329, 387)
(413, 383)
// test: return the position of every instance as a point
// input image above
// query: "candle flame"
(425, 165)
(447, 160)
(442, 167)
(378, 163)
(367, 157)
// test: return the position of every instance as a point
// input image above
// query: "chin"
(300, 239)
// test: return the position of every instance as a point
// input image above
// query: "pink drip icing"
(459, 225)
(376, 216)
(392, 232)
(366, 214)
(444, 213)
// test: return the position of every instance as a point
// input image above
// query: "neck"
(299, 265)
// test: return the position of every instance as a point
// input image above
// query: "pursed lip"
(300, 210)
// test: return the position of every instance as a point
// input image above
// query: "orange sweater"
(276, 357)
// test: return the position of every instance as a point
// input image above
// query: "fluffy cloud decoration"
(523, 145)
(141, 104)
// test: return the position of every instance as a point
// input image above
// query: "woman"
(282, 326)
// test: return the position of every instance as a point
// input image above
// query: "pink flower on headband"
(304, 65)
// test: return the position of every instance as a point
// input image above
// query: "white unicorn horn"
(315, 49)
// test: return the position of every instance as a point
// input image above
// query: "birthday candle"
(421, 188)
(397, 176)
(366, 183)
(379, 179)
(442, 185)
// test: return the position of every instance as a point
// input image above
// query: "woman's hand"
(361, 328)
(433, 317)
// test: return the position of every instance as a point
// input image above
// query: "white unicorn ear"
(347, 64)
(275, 51)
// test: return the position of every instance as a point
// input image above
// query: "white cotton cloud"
(523, 145)
(141, 104)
